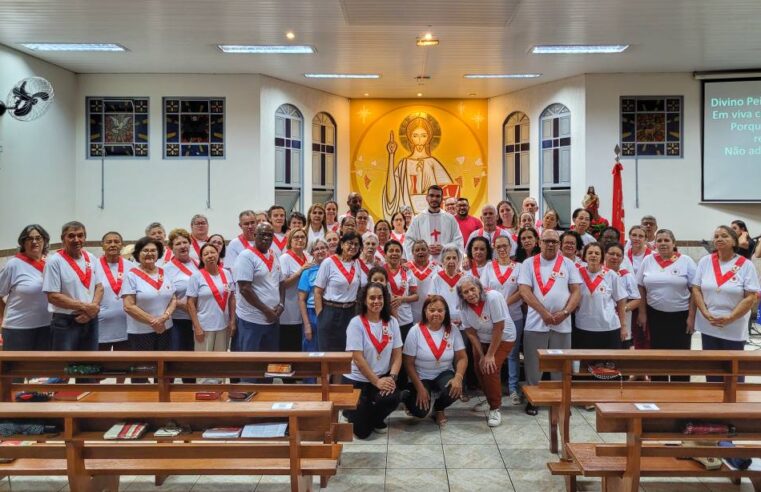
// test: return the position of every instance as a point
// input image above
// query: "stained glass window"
(118, 127)
(288, 157)
(194, 128)
(516, 147)
(651, 126)
(555, 160)
(323, 158)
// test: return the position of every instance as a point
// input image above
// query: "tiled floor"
(417, 456)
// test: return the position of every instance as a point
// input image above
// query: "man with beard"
(434, 226)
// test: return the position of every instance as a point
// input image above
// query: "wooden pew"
(650, 449)
(92, 463)
(561, 395)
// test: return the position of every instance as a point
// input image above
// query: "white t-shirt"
(667, 288)
(195, 249)
(27, 305)
(496, 277)
(337, 286)
(265, 281)
(636, 261)
(210, 315)
(597, 309)
(426, 364)
(721, 301)
(441, 287)
(494, 311)
(492, 236)
(234, 249)
(312, 236)
(59, 276)
(279, 243)
(424, 279)
(399, 285)
(556, 298)
(291, 313)
(180, 281)
(112, 320)
(147, 298)
(358, 339)
(628, 283)
(168, 255)
(587, 238)
(475, 271)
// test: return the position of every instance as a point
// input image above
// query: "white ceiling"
(489, 36)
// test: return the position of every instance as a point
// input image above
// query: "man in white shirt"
(530, 206)
(490, 231)
(71, 281)
(247, 222)
(549, 285)
(434, 226)
(450, 206)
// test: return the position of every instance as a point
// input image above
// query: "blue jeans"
(68, 335)
(310, 345)
(26, 339)
(253, 337)
(514, 359)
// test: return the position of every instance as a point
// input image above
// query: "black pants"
(471, 381)
(183, 339)
(68, 335)
(439, 385)
(403, 379)
(331, 327)
(149, 342)
(605, 340)
(372, 408)
(290, 338)
(32, 339)
(715, 343)
(668, 331)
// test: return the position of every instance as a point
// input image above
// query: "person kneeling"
(429, 351)
(375, 342)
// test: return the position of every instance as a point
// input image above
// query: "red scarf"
(115, 283)
(385, 336)
(451, 281)
(156, 284)
(244, 242)
(268, 260)
(545, 288)
(299, 261)
(280, 243)
(220, 298)
(436, 351)
(395, 289)
(664, 264)
(420, 274)
(721, 279)
(502, 277)
(182, 267)
(478, 308)
(84, 277)
(349, 276)
(631, 255)
(592, 284)
(37, 264)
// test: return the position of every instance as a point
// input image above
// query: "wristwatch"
(393, 376)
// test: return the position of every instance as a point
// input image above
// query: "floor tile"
(535, 481)
(35, 484)
(357, 480)
(417, 480)
(467, 433)
(526, 459)
(365, 456)
(414, 431)
(472, 456)
(174, 483)
(222, 483)
(482, 480)
(415, 456)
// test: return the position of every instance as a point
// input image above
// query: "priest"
(434, 226)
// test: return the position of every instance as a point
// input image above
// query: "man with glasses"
(199, 234)
(260, 294)
(437, 228)
(490, 231)
(549, 285)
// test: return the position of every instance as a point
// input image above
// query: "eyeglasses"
(33, 239)
(550, 241)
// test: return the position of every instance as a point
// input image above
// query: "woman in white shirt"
(636, 253)
(614, 255)
(399, 227)
(506, 216)
(435, 361)
(664, 283)
(403, 288)
(293, 262)
(369, 256)
(724, 287)
(424, 271)
(375, 342)
(24, 315)
(112, 320)
(178, 271)
(487, 324)
(149, 300)
(445, 281)
(581, 221)
(501, 275)
(317, 227)
(570, 246)
(382, 229)
(479, 254)
(210, 302)
(331, 216)
(600, 317)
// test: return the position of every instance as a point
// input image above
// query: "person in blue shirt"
(319, 251)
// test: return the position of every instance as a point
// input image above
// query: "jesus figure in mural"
(408, 183)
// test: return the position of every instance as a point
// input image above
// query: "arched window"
(323, 158)
(289, 162)
(555, 160)
(516, 161)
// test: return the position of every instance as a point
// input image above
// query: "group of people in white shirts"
(427, 316)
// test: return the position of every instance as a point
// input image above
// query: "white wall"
(36, 175)
(532, 101)
(668, 188)
(138, 192)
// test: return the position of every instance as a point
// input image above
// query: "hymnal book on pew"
(125, 431)
(14, 443)
(222, 433)
(264, 431)
(70, 395)
(240, 395)
(279, 371)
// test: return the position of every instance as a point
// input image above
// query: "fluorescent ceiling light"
(342, 75)
(502, 75)
(579, 49)
(267, 49)
(74, 46)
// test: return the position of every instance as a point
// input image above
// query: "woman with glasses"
(24, 314)
(335, 293)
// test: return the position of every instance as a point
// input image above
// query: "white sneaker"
(495, 418)
(515, 398)
(480, 406)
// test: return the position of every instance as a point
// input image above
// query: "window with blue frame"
(555, 160)
(323, 158)
(516, 157)
(651, 126)
(117, 127)
(194, 127)
(289, 162)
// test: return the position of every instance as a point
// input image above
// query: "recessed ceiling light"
(290, 35)
(342, 75)
(419, 94)
(74, 46)
(502, 75)
(267, 49)
(427, 40)
(367, 94)
(472, 94)
(579, 49)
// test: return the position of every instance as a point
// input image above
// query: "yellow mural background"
(461, 149)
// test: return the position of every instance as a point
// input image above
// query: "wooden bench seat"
(206, 466)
